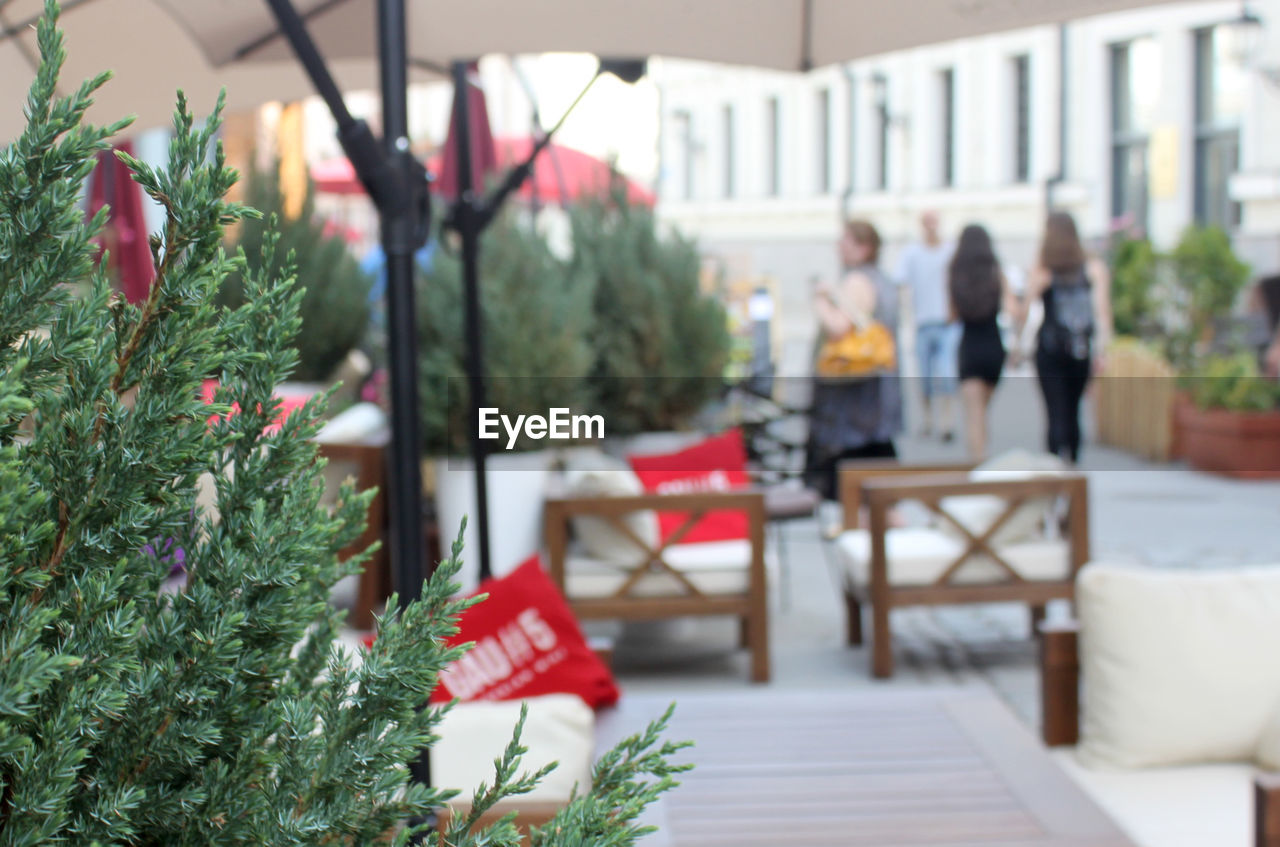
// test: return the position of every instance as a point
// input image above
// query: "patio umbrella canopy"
(151, 55)
(783, 34)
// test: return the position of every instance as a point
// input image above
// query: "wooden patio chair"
(669, 579)
(954, 561)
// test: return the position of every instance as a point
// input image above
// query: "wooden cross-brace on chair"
(885, 588)
(651, 586)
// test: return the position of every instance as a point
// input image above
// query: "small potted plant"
(1233, 424)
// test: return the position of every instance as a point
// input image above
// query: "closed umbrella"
(125, 235)
(484, 155)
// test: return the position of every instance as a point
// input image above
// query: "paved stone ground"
(1165, 516)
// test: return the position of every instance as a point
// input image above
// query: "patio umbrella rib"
(9, 32)
(247, 49)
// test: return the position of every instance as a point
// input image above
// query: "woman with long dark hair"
(1076, 290)
(978, 291)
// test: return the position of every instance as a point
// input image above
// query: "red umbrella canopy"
(125, 235)
(564, 175)
(561, 174)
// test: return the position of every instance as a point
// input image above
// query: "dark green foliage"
(335, 308)
(1133, 278)
(1208, 275)
(132, 717)
(536, 316)
(1234, 383)
(660, 345)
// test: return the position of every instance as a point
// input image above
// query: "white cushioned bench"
(1165, 701)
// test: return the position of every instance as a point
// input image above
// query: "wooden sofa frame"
(1060, 719)
(751, 607)
(375, 581)
(880, 486)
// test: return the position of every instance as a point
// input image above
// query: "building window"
(947, 94)
(823, 182)
(773, 146)
(730, 163)
(1135, 89)
(1022, 118)
(1219, 102)
(683, 120)
(880, 84)
(851, 165)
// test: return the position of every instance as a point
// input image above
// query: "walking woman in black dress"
(1071, 343)
(978, 291)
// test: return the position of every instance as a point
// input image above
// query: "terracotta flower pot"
(1244, 445)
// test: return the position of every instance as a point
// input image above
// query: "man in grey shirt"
(923, 270)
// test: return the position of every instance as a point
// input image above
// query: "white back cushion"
(593, 474)
(977, 512)
(1178, 667)
(559, 728)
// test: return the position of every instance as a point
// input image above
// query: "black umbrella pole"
(469, 223)
(399, 242)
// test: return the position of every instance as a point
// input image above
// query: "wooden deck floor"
(948, 768)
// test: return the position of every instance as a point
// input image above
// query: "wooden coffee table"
(944, 767)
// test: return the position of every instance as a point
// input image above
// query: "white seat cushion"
(919, 555)
(1173, 807)
(1178, 667)
(714, 567)
(560, 728)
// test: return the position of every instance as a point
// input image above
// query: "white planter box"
(517, 485)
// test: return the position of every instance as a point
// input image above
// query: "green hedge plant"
(536, 318)
(660, 344)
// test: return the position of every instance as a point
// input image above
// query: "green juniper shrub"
(335, 307)
(223, 714)
(536, 314)
(660, 344)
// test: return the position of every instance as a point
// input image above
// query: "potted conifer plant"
(660, 344)
(536, 314)
(223, 713)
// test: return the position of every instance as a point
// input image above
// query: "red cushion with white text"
(527, 643)
(718, 463)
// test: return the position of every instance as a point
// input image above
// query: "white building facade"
(1168, 116)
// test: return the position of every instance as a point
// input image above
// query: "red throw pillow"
(527, 643)
(718, 463)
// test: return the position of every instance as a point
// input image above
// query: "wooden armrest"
(1060, 683)
(934, 487)
(751, 502)
(1266, 810)
(854, 473)
(529, 813)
